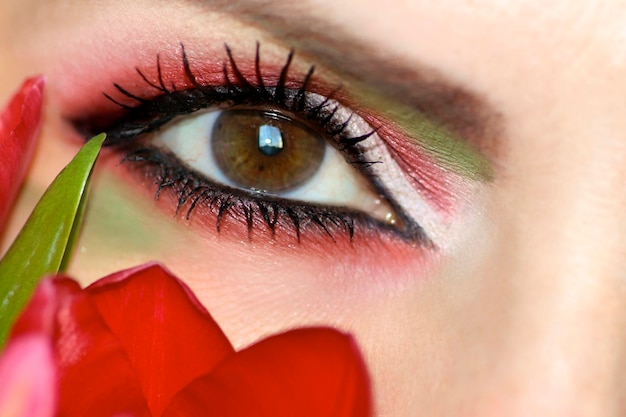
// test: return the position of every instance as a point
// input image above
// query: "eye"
(266, 154)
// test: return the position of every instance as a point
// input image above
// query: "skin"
(522, 316)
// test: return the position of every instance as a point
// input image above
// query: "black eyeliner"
(168, 172)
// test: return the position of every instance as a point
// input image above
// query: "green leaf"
(44, 244)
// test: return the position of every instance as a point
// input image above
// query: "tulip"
(138, 343)
(19, 128)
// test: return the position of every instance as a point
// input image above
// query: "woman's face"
(473, 241)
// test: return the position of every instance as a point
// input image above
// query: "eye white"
(335, 183)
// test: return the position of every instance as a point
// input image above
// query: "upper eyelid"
(169, 102)
(230, 65)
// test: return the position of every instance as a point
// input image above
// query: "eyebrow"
(466, 114)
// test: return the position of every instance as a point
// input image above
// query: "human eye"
(261, 148)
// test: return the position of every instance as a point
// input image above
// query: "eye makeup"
(250, 87)
(323, 113)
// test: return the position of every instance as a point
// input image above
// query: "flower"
(139, 343)
(19, 128)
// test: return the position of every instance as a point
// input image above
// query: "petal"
(96, 377)
(307, 372)
(39, 316)
(19, 126)
(28, 378)
(168, 336)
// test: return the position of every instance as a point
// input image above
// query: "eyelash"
(176, 102)
(239, 91)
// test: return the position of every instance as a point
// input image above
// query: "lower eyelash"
(193, 191)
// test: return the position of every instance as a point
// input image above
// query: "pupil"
(270, 140)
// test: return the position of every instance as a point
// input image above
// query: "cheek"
(268, 295)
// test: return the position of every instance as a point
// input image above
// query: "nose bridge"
(567, 199)
(567, 214)
(560, 276)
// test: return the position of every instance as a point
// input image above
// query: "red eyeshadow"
(424, 172)
(314, 241)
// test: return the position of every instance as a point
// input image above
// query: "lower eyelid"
(345, 230)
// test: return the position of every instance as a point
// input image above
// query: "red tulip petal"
(166, 333)
(19, 126)
(96, 377)
(39, 316)
(28, 378)
(305, 372)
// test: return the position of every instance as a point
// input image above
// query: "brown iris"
(266, 151)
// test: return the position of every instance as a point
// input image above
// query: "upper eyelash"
(151, 114)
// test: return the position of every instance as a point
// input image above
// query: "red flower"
(19, 126)
(139, 343)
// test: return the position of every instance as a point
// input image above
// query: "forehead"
(447, 32)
